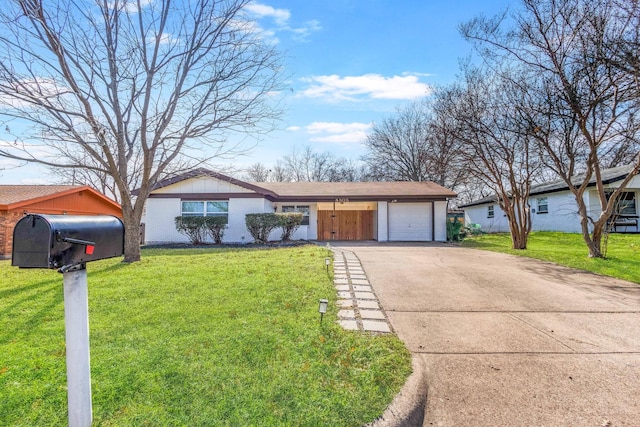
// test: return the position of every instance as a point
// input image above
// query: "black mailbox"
(55, 241)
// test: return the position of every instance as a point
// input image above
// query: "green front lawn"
(196, 337)
(623, 251)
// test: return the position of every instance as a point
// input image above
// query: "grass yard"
(196, 337)
(623, 251)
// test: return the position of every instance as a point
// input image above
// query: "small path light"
(327, 262)
(322, 308)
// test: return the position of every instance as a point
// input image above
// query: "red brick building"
(16, 200)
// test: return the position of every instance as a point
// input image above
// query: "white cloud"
(333, 132)
(309, 27)
(281, 18)
(354, 88)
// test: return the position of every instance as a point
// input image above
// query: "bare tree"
(311, 166)
(346, 170)
(100, 181)
(497, 150)
(125, 88)
(414, 145)
(258, 172)
(399, 145)
(587, 104)
(280, 173)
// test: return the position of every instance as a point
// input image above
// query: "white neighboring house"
(553, 207)
(383, 211)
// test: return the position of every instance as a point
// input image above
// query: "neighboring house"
(18, 200)
(553, 206)
(383, 211)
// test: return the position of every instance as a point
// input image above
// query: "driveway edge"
(408, 407)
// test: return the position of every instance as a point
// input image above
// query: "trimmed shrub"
(196, 228)
(192, 227)
(260, 225)
(215, 225)
(290, 222)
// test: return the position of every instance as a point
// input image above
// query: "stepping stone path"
(359, 308)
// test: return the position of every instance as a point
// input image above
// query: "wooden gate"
(345, 225)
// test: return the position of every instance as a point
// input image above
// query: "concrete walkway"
(510, 341)
(359, 308)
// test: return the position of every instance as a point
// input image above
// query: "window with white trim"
(303, 209)
(490, 211)
(542, 205)
(206, 208)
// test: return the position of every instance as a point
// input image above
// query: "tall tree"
(587, 99)
(497, 149)
(414, 145)
(398, 146)
(125, 88)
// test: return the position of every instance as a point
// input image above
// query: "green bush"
(290, 222)
(260, 225)
(196, 228)
(192, 227)
(455, 231)
(474, 230)
(215, 225)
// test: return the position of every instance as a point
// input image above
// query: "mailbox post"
(67, 243)
(76, 326)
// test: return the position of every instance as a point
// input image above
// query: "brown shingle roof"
(10, 194)
(323, 191)
(357, 190)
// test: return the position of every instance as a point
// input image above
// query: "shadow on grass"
(49, 300)
(6, 293)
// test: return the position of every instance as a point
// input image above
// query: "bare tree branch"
(131, 91)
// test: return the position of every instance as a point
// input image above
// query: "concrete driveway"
(509, 341)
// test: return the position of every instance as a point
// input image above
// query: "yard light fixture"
(327, 262)
(322, 308)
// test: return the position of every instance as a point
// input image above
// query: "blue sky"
(351, 63)
(355, 62)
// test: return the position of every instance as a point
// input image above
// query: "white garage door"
(409, 221)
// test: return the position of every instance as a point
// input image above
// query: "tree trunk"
(131, 239)
(593, 242)
(131, 219)
(519, 237)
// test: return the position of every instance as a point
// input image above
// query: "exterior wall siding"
(238, 209)
(383, 218)
(562, 212)
(478, 215)
(202, 185)
(159, 221)
(8, 220)
(562, 216)
(440, 221)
